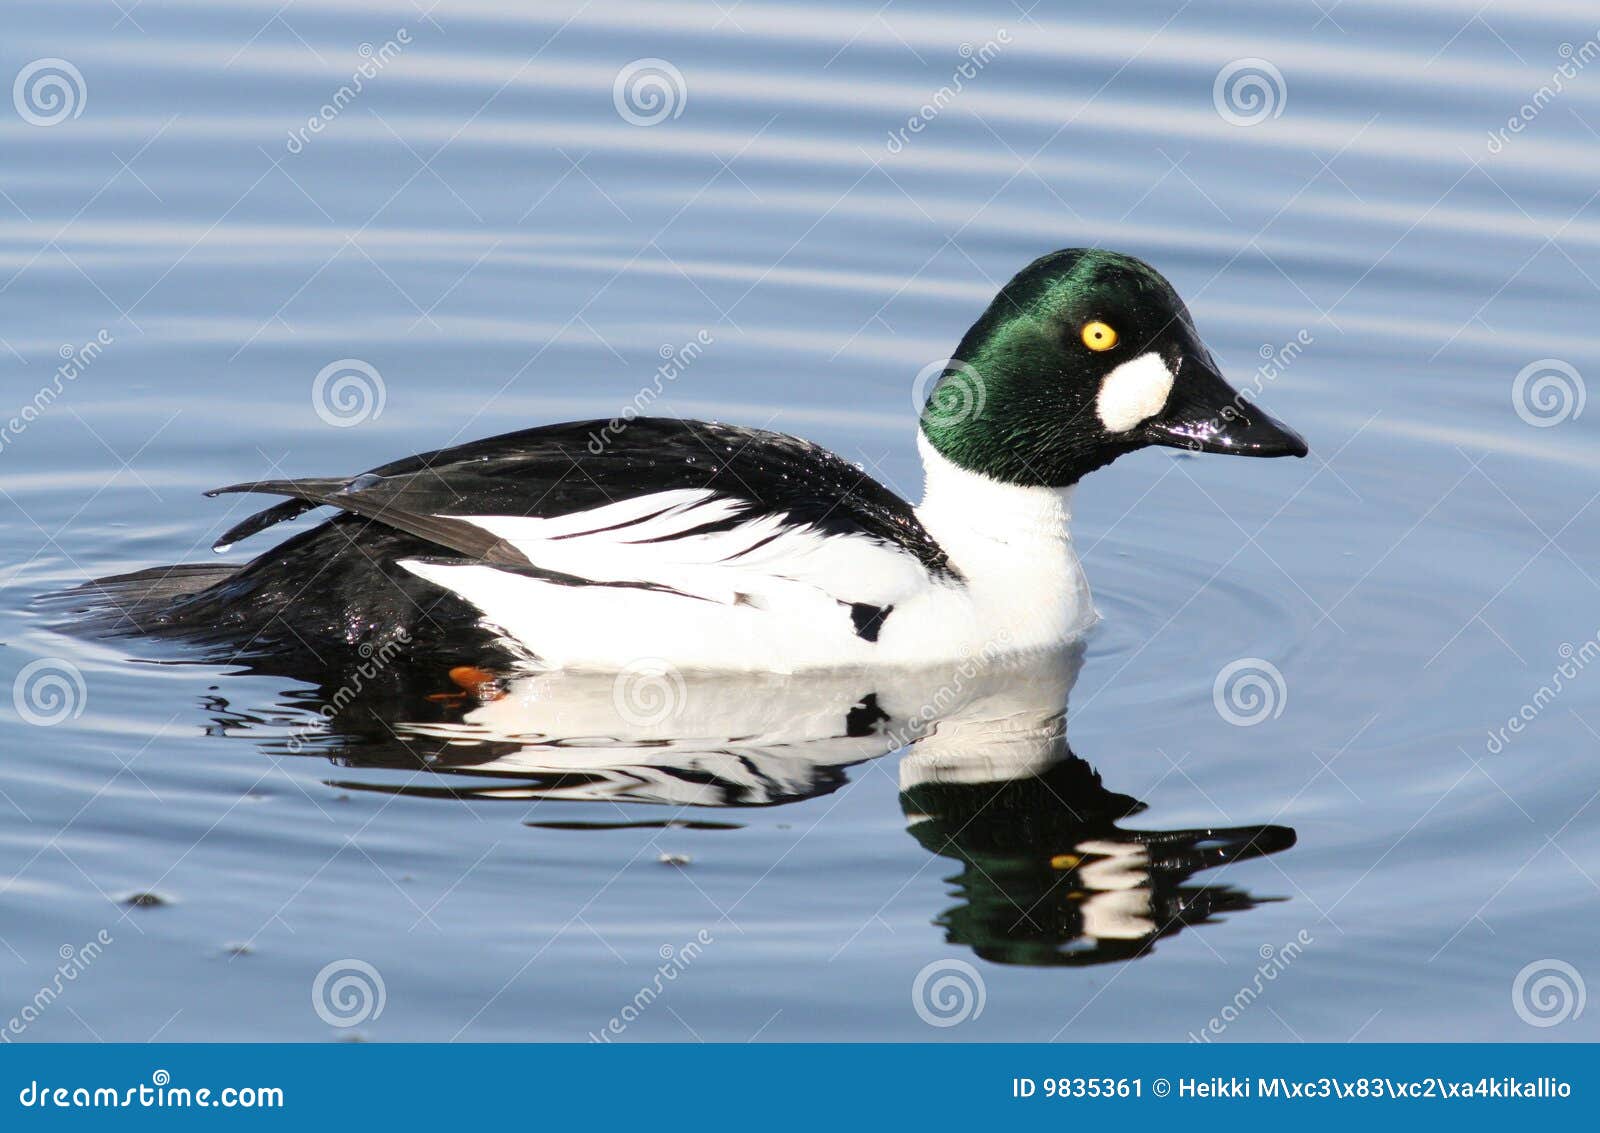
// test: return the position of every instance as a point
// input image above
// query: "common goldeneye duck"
(704, 545)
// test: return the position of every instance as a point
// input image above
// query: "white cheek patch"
(1135, 391)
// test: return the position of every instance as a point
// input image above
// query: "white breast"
(1025, 586)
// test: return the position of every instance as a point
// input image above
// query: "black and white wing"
(535, 525)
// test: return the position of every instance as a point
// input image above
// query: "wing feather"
(453, 534)
(700, 507)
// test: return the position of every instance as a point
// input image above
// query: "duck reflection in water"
(1049, 875)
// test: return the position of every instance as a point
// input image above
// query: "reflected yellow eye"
(1099, 336)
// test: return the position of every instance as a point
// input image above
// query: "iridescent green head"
(1083, 356)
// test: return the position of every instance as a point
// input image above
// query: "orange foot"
(472, 681)
(479, 682)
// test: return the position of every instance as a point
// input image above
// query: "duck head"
(1083, 356)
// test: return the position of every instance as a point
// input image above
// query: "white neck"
(1022, 581)
(958, 500)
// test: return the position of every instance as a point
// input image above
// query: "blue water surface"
(510, 214)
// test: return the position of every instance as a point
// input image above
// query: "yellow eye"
(1098, 336)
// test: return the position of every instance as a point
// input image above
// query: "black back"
(338, 589)
(555, 470)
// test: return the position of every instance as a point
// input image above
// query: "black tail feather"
(350, 496)
(261, 520)
(139, 602)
